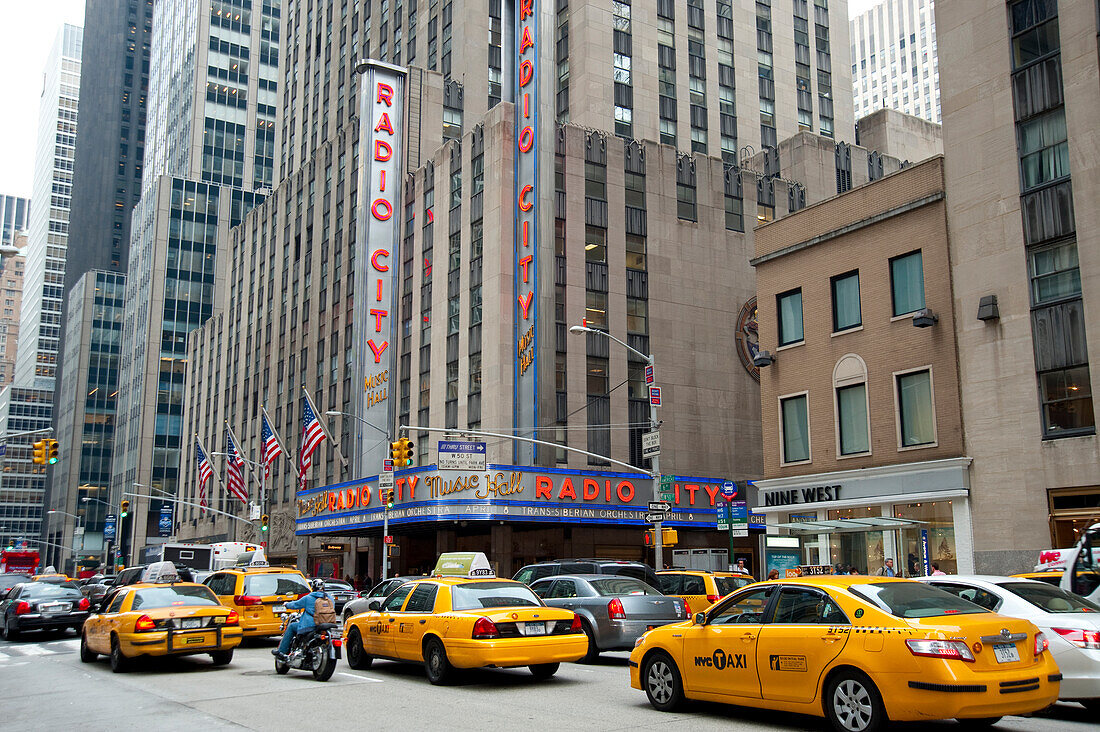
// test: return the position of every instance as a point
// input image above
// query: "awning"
(849, 526)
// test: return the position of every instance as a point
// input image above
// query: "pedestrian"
(774, 574)
(936, 569)
(887, 569)
(741, 566)
(853, 570)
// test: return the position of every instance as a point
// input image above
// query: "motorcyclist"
(305, 622)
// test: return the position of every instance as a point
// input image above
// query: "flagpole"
(335, 444)
(275, 432)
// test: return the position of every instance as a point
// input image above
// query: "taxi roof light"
(950, 649)
(160, 573)
(463, 564)
(485, 629)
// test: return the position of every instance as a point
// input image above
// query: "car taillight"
(687, 608)
(713, 599)
(83, 604)
(232, 618)
(247, 600)
(22, 608)
(575, 627)
(485, 629)
(144, 623)
(615, 609)
(940, 649)
(1041, 643)
(1079, 637)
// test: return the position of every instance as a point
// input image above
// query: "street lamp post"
(80, 525)
(658, 543)
(385, 511)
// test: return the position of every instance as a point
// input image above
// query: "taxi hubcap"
(852, 704)
(660, 681)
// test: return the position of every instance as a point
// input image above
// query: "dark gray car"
(614, 611)
(379, 592)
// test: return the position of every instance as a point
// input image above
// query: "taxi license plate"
(195, 639)
(1006, 652)
(534, 628)
(191, 623)
(278, 609)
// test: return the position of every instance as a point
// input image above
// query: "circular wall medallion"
(748, 342)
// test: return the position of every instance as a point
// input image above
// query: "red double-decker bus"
(19, 561)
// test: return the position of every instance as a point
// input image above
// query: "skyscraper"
(210, 151)
(40, 329)
(644, 241)
(894, 63)
(14, 214)
(11, 290)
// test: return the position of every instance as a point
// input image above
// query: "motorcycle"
(316, 650)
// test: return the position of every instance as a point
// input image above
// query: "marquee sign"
(381, 120)
(525, 251)
(506, 492)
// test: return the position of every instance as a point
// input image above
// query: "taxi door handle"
(424, 620)
(748, 637)
(830, 638)
(389, 620)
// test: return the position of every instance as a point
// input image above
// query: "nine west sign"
(813, 494)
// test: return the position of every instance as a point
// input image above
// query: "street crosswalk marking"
(19, 652)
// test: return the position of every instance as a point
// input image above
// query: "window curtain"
(846, 302)
(796, 430)
(908, 281)
(790, 318)
(852, 405)
(915, 397)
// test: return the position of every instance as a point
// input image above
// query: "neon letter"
(385, 94)
(384, 124)
(374, 260)
(382, 151)
(523, 263)
(377, 351)
(378, 315)
(525, 303)
(526, 71)
(381, 209)
(525, 205)
(526, 139)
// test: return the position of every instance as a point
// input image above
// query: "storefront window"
(937, 533)
(861, 551)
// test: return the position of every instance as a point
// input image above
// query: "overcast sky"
(27, 33)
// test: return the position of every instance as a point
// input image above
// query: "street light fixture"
(658, 544)
(338, 413)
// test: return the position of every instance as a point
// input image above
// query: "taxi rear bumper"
(969, 696)
(510, 652)
(260, 626)
(178, 642)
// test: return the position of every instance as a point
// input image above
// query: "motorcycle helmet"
(317, 585)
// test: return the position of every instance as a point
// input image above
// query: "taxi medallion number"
(534, 628)
(1006, 652)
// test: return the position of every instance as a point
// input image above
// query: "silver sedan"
(614, 611)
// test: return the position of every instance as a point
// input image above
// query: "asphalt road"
(45, 686)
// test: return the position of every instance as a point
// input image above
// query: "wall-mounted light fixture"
(762, 359)
(987, 308)
(924, 318)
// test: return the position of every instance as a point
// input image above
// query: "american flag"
(234, 470)
(312, 436)
(271, 447)
(206, 472)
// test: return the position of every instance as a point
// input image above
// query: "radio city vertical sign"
(381, 157)
(527, 203)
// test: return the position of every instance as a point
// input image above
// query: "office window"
(1044, 151)
(685, 202)
(916, 416)
(795, 426)
(846, 310)
(1054, 272)
(595, 310)
(851, 409)
(595, 244)
(907, 283)
(1067, 400)
(789, 308)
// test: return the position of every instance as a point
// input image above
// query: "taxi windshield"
(914, 600)
(622, 586)
(1051, 599)
(285, 583)
(477, 595)
(155, 598)
(727, 585)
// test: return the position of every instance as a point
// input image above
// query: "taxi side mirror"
(700, 619)
(374, 605)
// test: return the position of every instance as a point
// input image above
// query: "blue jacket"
(307, 603)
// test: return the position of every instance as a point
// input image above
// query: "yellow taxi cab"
(701, 588)
(54, 577)
(1050, 576)
(856, 650)
(160, 616)
(258, 592)
(463, 616)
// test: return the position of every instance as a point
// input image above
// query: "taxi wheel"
(222, 658)
(357, 657)
(87, 655)
(9, 633)
(436, 665)
(544, 670)
(593, 652)
(853, 704)
(119, 662)
(662, 682)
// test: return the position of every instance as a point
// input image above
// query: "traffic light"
(389, 498)
(647, 538)
(263, 522)
(39, 453)
(669, 537)
(401, 452)
(124, 509)
(51, 451)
